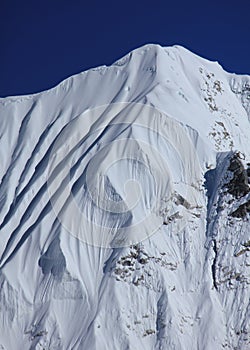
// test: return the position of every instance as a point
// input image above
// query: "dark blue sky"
(43, 42)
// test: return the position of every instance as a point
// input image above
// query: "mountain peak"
(124, 208)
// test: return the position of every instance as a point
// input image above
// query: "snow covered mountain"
(125, 208)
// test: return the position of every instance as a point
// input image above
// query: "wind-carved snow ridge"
(113, 186)
(124, 208)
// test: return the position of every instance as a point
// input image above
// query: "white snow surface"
(117, 225)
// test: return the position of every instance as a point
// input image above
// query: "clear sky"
(44, 42)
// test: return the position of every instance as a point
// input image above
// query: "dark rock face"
(242, 211)
(248, 171)
(238, 186)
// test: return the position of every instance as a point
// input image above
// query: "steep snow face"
(240, 85)
(124, 208)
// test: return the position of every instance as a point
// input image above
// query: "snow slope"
(124, 208)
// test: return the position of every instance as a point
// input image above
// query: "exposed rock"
(242, 211)
(238, 185)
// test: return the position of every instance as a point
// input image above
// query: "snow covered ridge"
(124, 208)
